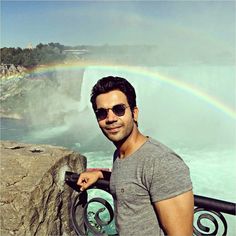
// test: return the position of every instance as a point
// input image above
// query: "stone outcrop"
(34, 200)
(7, 70)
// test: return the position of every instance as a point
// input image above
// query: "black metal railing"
(209, 213)
(211, 210)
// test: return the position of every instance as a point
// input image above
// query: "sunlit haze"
(190, 25)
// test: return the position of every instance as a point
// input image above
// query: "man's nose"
(111, 116)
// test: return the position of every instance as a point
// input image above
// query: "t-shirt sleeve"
(170, 177)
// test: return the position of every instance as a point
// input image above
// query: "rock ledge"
(34, 199)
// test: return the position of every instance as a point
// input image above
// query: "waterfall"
(186, 107)
(182, 106)
(172, 113)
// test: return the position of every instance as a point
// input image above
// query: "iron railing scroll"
(209, 213)
(92, 222)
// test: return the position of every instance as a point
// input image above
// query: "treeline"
(42, 54)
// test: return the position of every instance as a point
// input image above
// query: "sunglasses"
(118, 110)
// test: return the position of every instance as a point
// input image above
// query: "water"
(199, 129)
(13, 129)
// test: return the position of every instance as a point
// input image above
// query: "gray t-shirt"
(151, 174)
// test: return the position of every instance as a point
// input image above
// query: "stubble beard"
(119, 137)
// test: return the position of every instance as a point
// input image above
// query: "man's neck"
(131, 144)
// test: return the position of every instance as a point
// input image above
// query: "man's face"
(116, 128)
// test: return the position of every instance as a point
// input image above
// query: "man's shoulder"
(153, 149)
(156, 146)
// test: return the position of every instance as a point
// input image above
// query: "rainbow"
(186, 87)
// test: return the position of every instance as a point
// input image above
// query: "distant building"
(76, 51)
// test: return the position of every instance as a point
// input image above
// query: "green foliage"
(42, 54)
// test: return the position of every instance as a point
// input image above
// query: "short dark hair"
(110, 83)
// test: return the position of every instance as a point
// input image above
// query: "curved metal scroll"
(91, 221)
(211, 209)
(84, 221)
(211, 216)
(95, 226)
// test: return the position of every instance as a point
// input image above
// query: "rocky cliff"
(36, 95)
(34, 200)
(7, 70)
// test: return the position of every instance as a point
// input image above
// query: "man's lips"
(113, 129)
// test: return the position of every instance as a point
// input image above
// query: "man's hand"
(88, 178)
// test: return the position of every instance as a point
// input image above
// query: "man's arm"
(176, 214)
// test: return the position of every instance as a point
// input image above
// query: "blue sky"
(194, 24)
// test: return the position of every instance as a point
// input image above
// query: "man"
(150, 184)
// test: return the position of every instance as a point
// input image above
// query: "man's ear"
(135, 114)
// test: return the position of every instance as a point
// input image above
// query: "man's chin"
(113, 138)
(116, 139)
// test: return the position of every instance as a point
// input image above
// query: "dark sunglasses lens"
(101, 114)
(119, 110)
